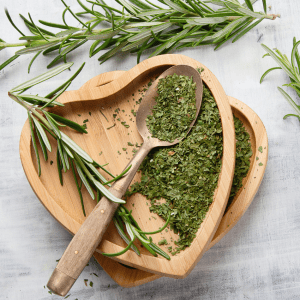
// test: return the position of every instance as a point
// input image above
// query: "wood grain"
(92, 102)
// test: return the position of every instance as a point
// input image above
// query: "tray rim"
(213, 217)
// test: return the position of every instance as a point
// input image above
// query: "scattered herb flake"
(100, 152)
(260, 149)
(111, 126)
(103, 115)
(114, 115)
(90, 113)
(260, 164)
(124, 149)
(51, 162)
(257, 158)
(86, 120)
(163, 242)
(91, 283)
(129, 144)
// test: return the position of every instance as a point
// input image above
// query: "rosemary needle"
(139, 27)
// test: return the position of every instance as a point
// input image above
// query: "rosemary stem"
(15, 45)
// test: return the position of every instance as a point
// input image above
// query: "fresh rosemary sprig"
(139, 26)
(72, 156)
(291, 68)
(40, 121)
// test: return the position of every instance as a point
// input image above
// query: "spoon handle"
(89, 235)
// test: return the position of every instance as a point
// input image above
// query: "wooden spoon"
(88, 237)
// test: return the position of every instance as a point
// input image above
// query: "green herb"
(51, 162)
(125, 125)
(103, 115)
(260, 149)
(114, 115)
(175, 108)
(86, 120)
(186, 174)
(130, 144)
(79, 115)
(200, 70)
(85, 281)
(91, 283)
(163, 242)
(257, 158)
(260, 164)
(138, 26)
(242, 158)
(292, 69)
(124, 149)
(187, 179)
(133, 112)
(111, 127)
(90, 113)
(100, 153)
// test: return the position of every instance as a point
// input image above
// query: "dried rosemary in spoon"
(175, 108)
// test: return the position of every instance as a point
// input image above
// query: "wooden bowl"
(97, 104)
(128, 277)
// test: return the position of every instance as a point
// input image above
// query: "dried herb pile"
(242, 158)
(186, 175)
(175, 108)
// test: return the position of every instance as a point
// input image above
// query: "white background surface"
(258, 259)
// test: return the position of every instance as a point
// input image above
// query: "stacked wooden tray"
(96, 101)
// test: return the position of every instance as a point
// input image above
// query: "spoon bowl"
(148, 103)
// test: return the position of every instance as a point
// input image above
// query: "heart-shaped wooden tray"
(97, 104)
(128, 277)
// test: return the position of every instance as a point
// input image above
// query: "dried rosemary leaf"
(188, 178)
(175, 108)
(186, 175)
(242, 159)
